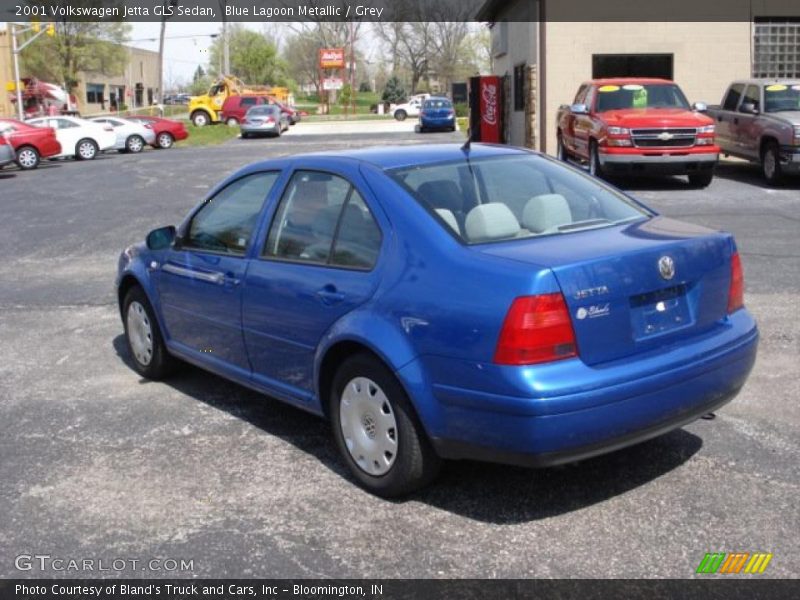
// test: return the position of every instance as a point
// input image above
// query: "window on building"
(632, 65)
(94, 93)
(776, 48)
(519, 87)
(149, 95)
(139, 94)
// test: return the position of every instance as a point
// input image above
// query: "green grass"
(363, 101)
(463, 125)
(210, 135)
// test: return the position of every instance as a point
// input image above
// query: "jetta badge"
(666, 267)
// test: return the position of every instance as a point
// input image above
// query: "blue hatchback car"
(437, 113)
(444, 302)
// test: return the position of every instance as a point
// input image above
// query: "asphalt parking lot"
(97, 463)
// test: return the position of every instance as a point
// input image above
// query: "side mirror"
(748, 107)
(579, 109)
(700, 106)
(161, 238)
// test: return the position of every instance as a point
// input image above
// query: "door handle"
(330, 295)
(736, 121)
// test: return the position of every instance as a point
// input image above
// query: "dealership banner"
(374, 589)
(395, 10)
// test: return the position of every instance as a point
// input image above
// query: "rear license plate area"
(659, 312)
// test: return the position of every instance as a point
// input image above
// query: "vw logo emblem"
(666, 267)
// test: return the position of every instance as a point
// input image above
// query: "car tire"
(400, 115)
(86, 149)
(278, 131)
(134, 144)
(245, 135)
(165, 140)
(561, 150)
(595, 168)
(771, 163)
(27, 158)
(143, 336)
(377, 431)
(232, 122)
(200, 118)
(701, 179)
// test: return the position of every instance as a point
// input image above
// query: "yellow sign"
(11, 86)
(608, 88)
(777, 87)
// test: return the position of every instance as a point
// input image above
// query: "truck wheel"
(701, 179)
(377, 431)
(595, 168)
(561, 151)
(200, 119)
(400, 115)
(771, 163)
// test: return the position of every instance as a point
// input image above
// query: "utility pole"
(16, 49)
(226, 48)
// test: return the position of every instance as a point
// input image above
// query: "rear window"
(438, 103)
(514, 197)
(634, 95)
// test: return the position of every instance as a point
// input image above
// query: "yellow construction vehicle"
(206, 109)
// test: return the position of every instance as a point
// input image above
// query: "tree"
(253, 58)
(408, 45)
(301, 53)
(394, 92)
(78, 47)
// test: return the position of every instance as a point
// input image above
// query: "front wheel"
(595, 168)
(134, 144)
(27, 158)
(377, 431)
(771, 164)
(561, 150)
(86, 149)
(150, 356)
(701, 179)
(400, 115)
(200, 119)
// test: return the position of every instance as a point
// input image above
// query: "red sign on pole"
(331, 58)
(490, 109)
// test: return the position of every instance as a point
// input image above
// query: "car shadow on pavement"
(750, 174)
(8, 174)
(485, 492)
(652, 183)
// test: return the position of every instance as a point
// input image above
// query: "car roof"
(626, 80)
(767, 80)
(391, 157)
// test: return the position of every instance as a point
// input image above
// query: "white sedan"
(78, 137)
(132, 136)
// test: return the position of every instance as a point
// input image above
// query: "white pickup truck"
(759, 120)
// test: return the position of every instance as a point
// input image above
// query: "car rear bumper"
(272, 128)
(606, 411)
(7, 155)
(672, 162)
(438, 123)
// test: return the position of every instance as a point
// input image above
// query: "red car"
(638, 125)
(235, 107)
(167, 131)
(30, 143)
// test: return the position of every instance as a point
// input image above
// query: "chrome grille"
(682, 137)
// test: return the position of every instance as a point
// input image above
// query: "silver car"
(264, 118)
(7, 154)
(132, 136)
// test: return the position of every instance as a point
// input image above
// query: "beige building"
(136, 86)
(544, 61)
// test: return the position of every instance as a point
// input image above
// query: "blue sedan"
(437, 113)
(445, 302)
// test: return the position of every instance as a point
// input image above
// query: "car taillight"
(270, 120)
(537, 329)
(736, 291)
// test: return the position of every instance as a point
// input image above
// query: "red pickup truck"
(637, 125)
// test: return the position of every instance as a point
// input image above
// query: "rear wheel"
(232, 122)
(377, 431)
(771, 163)
(147, 348)
(400, 115)
(200, 118)
(701, 179)
(86, 149)
(134, 144)
(27, 158)
(165, 140)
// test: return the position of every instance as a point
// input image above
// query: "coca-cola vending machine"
(486, 109)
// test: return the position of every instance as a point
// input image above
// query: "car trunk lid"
(630, 288)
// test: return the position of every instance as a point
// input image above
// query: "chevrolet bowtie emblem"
(664, 136)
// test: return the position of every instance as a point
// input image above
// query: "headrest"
(493, 221)
(546, 213)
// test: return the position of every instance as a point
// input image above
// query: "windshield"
(438, 103)
(780, 97)
(510, 197)
(634, 95)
